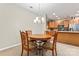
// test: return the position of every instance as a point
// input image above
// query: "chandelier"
(39, 19)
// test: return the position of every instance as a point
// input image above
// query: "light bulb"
(37, 18)
(34, 20)
(43, 20)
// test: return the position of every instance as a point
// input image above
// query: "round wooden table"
(40, 38)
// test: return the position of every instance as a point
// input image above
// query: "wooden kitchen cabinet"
(66, 23)
(51, 24)
(54, 24)
(71, 21)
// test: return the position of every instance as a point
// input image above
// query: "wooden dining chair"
(51, 44)
(29, 33)
(49, 32)
(26, 45)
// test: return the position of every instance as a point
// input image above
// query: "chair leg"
(27, 53)
(42, 52)
(36, 52)
(52, 52)
(22, 52)
(55, 51)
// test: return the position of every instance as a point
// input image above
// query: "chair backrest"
(54, 37)
(24, 38)
(52, 33)
(29, 32)
(48, 32)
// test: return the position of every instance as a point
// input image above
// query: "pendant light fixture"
(39, 18)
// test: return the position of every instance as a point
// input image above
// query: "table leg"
(40, 48)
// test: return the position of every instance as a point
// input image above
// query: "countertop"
(68, 32)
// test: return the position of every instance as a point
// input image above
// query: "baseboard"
(10, 46)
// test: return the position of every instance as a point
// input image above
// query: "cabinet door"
(55, 24)
(51, 24)
(66, 23)
(59, 22)
(71, 21)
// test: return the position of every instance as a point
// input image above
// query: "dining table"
(40, 39)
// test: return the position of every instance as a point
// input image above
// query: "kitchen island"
(68, 37)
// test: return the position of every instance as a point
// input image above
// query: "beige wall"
(12, 19)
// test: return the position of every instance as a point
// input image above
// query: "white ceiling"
(60, 9)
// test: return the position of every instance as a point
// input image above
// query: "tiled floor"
(62, 49)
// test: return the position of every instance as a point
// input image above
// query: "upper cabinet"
(71, 21)
(50, 24)
(54, 24)
(66, 23)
